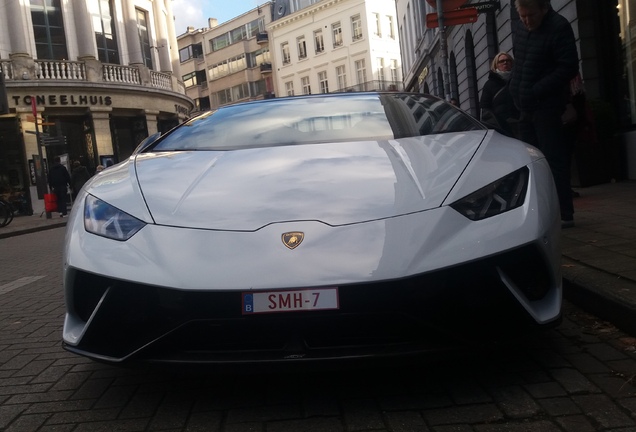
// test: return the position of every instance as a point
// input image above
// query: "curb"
(608, 296)
(20, 231)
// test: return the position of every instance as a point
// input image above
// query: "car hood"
(334, 183)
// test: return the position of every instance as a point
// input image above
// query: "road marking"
(18, 283)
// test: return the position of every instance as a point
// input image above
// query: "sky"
(196, 12)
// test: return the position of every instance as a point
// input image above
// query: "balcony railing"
(60, 70)
(262, 38)
(161, 80)
(79, 71)
(121, 74)
(266, 68)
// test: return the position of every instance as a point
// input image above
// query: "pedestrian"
(546, 60)
(59, 181)
(79, 176)
(497, 106)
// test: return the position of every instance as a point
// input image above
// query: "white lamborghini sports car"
(311, 228)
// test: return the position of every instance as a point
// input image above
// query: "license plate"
(258, 302)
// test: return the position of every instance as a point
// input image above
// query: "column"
(172, 39)
(17, 28)
(85, 32)
(163, 45)
(132, 33)
(151, 121)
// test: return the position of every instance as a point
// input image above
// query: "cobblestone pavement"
(578, 377)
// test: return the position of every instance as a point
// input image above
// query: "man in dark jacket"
(546, 60)
(79, 176)
(59, 180)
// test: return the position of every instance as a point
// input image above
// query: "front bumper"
(438, 311)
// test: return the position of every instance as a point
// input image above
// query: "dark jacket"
(59, 176)
(496, 101)
(79, 176)
(546, 60)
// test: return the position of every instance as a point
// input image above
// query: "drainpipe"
(443, 49)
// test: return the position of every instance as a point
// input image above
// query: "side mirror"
(147, 142)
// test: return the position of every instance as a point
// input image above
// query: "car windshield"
(317, 119)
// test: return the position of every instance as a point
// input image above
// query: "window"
(356, 27)
(391, 27)
(302, 48)
(378, 25)
(394, 72)
(255, 27)
(324, 84)
(48, 29)
(319, 41)
(259, 57)
(193, 78)
(336, 32)
(381, 70)
(361, 73)
(285, 50)
(304, 81)
(144, 37)
(102, 15)
(289, 88)
(220, 42)
(190, 52)
(202, 104)
(226, 67)
(258, 88)
(233, 94)
(237, 34)
(342, 78)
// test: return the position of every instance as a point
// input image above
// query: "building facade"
(334, 45)
(85, 80)
(229, 62)
(605, 43)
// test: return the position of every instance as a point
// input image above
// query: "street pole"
(44, 187)
(443, 50)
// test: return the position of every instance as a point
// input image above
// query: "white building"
(334, 45)
(97, 75)
(228, 62)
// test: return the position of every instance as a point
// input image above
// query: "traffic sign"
(485, 6)
(447, 4)
(33, 119)
(53, 141)
(453, 17)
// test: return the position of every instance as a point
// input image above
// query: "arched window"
(453, 77)
(471, 72)
(440, 83)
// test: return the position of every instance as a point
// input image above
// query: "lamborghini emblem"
(293, 239)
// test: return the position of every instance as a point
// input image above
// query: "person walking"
(59, 180)
(546, 60)
(497, 106)
(79, 176)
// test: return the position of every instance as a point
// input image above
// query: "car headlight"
(103, 219)
(505, 194)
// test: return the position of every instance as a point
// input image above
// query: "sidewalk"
(599, 253)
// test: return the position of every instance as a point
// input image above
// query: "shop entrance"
(127, 133)
(14, 178)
